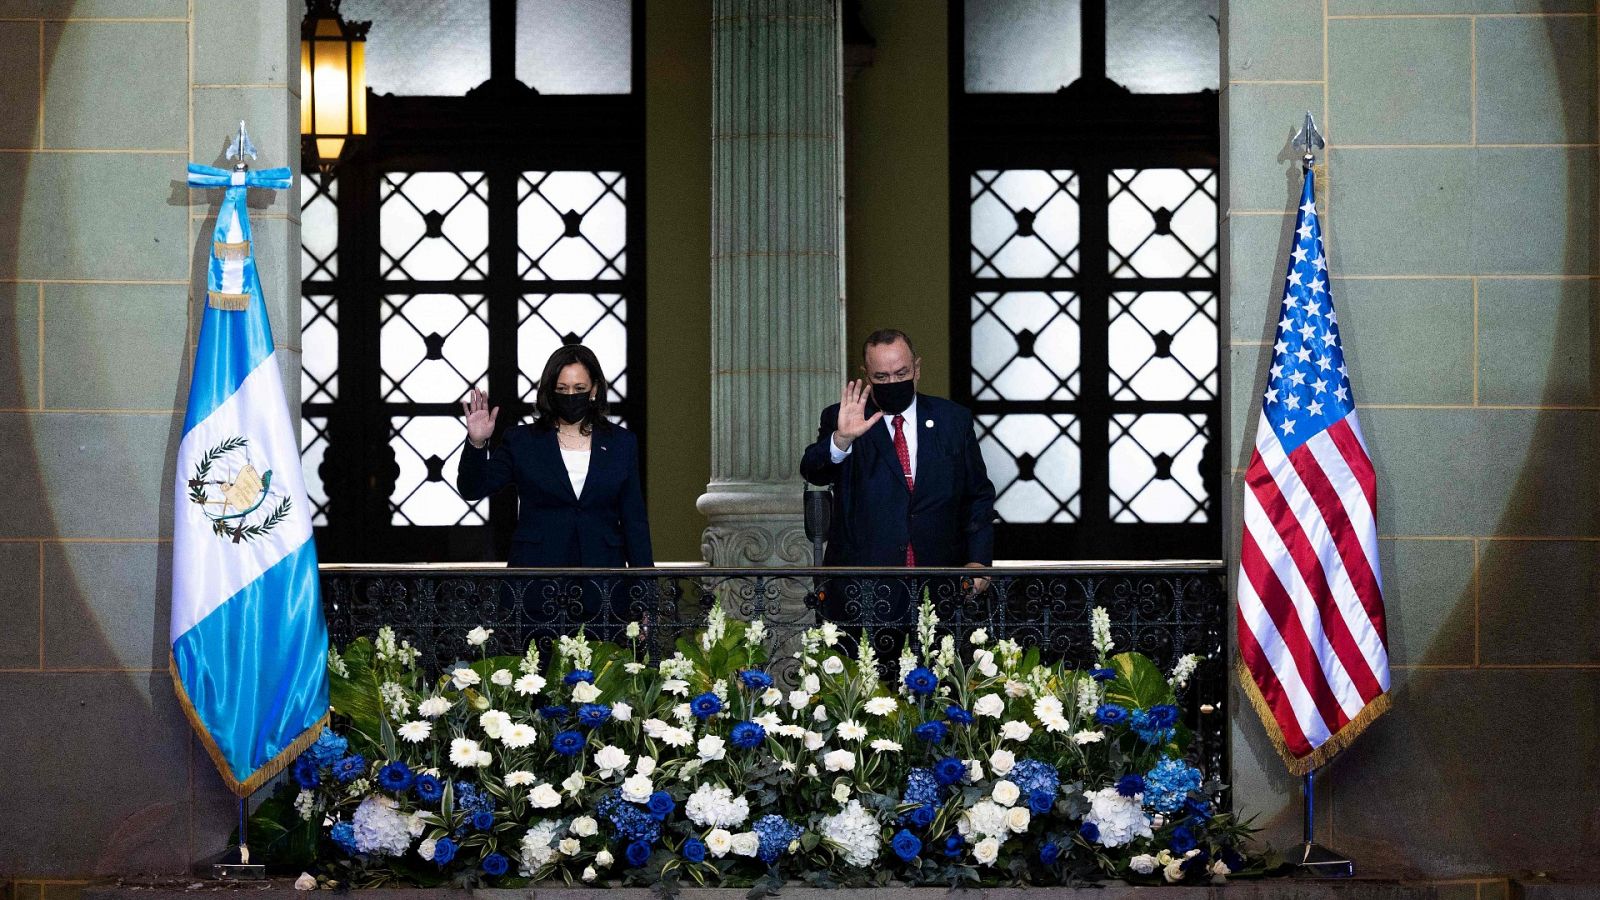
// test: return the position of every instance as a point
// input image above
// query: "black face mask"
(895, 397)
(572, 408)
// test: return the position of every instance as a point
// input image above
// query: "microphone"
(819, 512)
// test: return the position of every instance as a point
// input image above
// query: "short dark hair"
(887, 336)
(566, 355)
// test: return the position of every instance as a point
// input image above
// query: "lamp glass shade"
(333, 77)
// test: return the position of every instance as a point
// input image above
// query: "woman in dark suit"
(577, 481)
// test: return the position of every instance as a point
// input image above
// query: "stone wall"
(102, 249)
(1459, 202)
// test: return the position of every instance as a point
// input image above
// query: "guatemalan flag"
(1311, 625)
(249, 645)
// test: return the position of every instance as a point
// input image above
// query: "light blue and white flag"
(249, 644)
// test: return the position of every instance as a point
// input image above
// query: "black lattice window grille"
(1024, 223)
(1034, 461)
(1156, 472)
(428, 452)
(433, 226)
(1162, 345)
(313, 446)
(433, 347)
(1162, 223)
(1025, 345)
(319, 348)
(319, 227)
(572, 226)
(598, 321)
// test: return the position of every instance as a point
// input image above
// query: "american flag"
(1311, 631)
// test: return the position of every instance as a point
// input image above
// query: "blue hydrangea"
(775, 834)
(922, 788)
(705, 706)
(328, 748)
(1167, 786)
(1030, 775)
(630, 822)
(1148, 726)
(344, 834)
(471, 800)
(1130, 785)
(746, 735)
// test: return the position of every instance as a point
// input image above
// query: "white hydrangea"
(985, 819)
(712, 806)
(1120, 819)
(537, 846)
(856, 832)
(380, 830)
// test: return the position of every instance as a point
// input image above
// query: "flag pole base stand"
(1312, 860)
(239, 872)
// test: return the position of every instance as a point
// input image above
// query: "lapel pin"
(928, 423)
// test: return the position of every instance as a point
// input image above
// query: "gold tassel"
(1330, 748)
(230, 250)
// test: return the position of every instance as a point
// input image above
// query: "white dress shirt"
(908, 428)
(577, 463)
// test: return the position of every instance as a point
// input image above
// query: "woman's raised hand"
(853, 419)
(480, 418)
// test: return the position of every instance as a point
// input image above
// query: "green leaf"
(1139, 683)
(356, 697)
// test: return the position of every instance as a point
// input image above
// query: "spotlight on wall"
(333, 82)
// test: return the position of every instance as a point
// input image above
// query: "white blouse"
(577, 462)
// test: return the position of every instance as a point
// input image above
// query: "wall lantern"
(333, 81)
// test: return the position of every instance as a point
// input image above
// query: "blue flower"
(953, 846)
(483, 819)
(567, 743)
(1110, 714)
(922, 816)
(922, 681)
(328, 748)
(1196, 862)
(1031, 775)
(958, 715)
(349, 768)
(1103, 674)
(755, 679)
(1039, 802)
(1163, 716)
(593, 715)
(1167, 786)
(1182, 839)
(949, 771)
(494, 865)
(705, 706)
(906, 845)
(1231, 859)
(1199, 810)
(444, 850)
(638, 853)
(775, 834)
(554, 712)
(306, 773)
(922, 788)
(470, 799)
(577, 675)
(427, 788)
(660, 805)
(933, 731)
(630, 822)
(1130, 785)
(747, 734)
(1090, 832)
(1145, 724)
(395, 776)
(694, 850)
(1051, 851)
(344, 834)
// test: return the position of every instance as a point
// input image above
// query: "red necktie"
(904, 453)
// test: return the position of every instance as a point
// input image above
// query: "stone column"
(777, 268)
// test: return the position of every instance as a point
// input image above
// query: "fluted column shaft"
(777, 267)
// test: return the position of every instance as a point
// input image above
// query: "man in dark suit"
(909, 484)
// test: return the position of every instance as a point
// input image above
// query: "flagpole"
(1312, 859)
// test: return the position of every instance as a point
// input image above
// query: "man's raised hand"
(853, 419)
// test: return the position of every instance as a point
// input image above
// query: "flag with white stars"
(1311, 623)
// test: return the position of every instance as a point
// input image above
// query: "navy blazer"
(949, 519)
(605, 527)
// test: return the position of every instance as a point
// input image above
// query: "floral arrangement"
(607, 767)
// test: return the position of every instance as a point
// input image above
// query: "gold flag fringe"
(229, 302)
(268, 769)
(1316, 759)
(230, 249)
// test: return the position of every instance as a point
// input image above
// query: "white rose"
(711, 748)
(589, 874)
(986, 851)
(1016, 688)
(1001, 761)
(585, 826)
(1144, 864)
(569, 846)
(978, 637)
(573, 784)
(646, 765)
(1173, 872)
(1018, 818)
(501, 677)
(544, 797)
(433, 707)
(494, 722)
(840, 761)
(974, 769)
(1220, 869)
(529, 684)
(306, 882)
(484, 759)
(1005, 793)
(464, 678)
(1016, 731)
(611, 759)
(622, 712)
(799, 699)
(746, 843)
(881, 706)
(833, 665)
(637, 788)
(812, 683)
(990, 705)
(585, 692)
(655, 728)
(425, 849)
(771, 697)
(884, 745)
(813, 741)
(719, 842)
(632, 631)
(478, 636)
(820, 714)
(841, 791)
(603, 858)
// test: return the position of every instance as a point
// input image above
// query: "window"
(1084, 307)
(490, 215)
